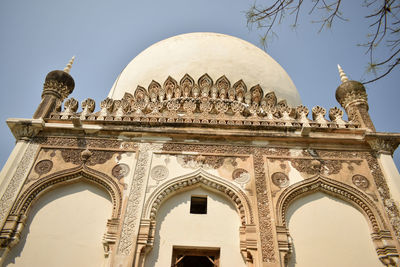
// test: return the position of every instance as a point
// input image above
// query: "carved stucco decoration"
(201, 161)
(314, 166)
(384, 145)
(84, 143)
(331, 187)
(120, 170)
(159, 173)
(43, 166)
(16, 181)
(360, 181)
(241, 176)
(57, 87)
(280, 179)
(97, 156)
(200, 178)
(202, 103)
(391, 209)
(25, 129)
(131, 215)
(263, 203)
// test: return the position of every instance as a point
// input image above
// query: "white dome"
(211, 53)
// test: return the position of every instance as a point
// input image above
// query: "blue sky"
(40, 36)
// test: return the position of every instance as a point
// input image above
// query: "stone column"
(57, 86)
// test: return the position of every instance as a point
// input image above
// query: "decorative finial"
(69, 65)
(343, 76)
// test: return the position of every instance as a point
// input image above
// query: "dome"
(215, 54)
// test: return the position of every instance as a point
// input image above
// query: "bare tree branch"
(384, 27)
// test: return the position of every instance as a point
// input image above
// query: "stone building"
(201, 155)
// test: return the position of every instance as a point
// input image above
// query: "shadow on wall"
(329, 232)
(68, 218)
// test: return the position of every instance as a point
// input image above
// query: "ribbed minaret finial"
(69, 65)
(343, 76)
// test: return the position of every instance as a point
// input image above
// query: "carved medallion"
(43, 166)
(360, 181)
(280, 179)
(241, 176)
(120, 170)
(159, 173)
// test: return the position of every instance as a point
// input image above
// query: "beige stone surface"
(65, 228)
(328, 232)
(200, 53)
(219, 228)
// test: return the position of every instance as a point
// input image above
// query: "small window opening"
(198, 205)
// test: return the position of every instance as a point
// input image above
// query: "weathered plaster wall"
(64, 228)
(329, 232)
(176, 226)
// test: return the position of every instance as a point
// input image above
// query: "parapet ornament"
(203, 103)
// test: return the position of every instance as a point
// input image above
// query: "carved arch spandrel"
(334, 188)
(45, 184)
(200, 178)
(381, 237)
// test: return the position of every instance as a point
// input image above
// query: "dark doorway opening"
(195, 261)
(195, 257)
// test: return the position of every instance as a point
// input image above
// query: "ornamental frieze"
(206, 161)
(206, 102)
(77, 156)
(86, 142)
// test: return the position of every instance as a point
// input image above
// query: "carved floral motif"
(360, 181)
(43, 166)
(204, 103)
(120, 170)
(280, 179)
(159, 173)
(97, 157)
(131, 217)
(241, 176)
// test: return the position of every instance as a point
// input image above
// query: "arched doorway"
(215, 232)
(65, 227)
(327, 231)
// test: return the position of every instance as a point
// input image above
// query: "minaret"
(58, 85)
(353, 98)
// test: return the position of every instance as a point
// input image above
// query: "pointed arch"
(11, 231)
(207, 180)
(247, 231)
(334, 188)
(381, 236)
(81, 173)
